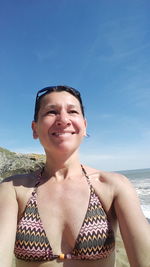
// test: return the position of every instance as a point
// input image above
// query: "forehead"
(59, 98)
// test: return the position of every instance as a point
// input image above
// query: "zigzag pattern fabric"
(95, 240)
(31, 241)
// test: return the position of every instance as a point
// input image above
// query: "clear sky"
(100, 47)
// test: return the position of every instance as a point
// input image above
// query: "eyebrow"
(56, 106)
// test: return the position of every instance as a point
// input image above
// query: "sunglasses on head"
(58, 88)
(44, 91)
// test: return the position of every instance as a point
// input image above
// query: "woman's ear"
(85, 124)
(34, 130)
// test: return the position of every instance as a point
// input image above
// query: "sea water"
(141, 181)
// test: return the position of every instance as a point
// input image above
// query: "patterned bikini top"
(95, 240)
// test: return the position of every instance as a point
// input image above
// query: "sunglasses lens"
(43, 92)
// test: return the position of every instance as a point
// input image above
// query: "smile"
(63, 133)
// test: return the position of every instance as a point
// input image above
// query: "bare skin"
(64, 198)
(73, 192)
(63, 193)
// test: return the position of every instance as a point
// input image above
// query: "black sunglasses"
(44, 91)
(58, 88)
(51, 88)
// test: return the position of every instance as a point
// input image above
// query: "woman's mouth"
(63, 133)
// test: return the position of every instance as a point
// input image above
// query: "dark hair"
(47, 90)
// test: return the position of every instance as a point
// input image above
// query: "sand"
(121, 256)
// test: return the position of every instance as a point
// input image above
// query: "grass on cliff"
(6, 151)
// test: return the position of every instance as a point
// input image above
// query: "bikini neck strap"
(85, 173)
(39, 176)
(40, 172)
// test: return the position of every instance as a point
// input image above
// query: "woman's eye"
(73, 111)
(52, 112)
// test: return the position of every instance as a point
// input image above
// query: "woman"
(66, 214)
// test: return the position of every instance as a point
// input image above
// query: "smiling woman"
(59, 119)
(66, 214)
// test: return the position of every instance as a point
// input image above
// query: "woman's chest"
(62, 207)
(62, 211)
(68, 216)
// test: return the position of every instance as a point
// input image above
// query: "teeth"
(60, 134)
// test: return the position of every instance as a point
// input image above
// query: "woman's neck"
(62, 167)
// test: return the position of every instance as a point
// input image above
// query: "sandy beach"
(121, 256)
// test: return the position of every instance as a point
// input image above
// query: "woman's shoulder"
(25, 180)
(115, 182)
(105, 176)
(18, 187)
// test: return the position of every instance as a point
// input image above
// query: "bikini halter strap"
(39, 175)
(87, 177)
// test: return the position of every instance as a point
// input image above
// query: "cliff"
(14, 163)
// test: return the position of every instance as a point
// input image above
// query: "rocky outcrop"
(13, 163)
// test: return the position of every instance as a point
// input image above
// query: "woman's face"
(61, 125)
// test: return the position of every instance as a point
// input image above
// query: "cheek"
(80, 124)
(46, 122)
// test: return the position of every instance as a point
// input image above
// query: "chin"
(66, 149)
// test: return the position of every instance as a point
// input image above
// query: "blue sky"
(100, 47)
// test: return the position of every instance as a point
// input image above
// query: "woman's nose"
(63, 119)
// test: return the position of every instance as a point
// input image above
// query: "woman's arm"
(134, 227)
(8, 222)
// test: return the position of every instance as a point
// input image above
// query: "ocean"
(141, 181)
